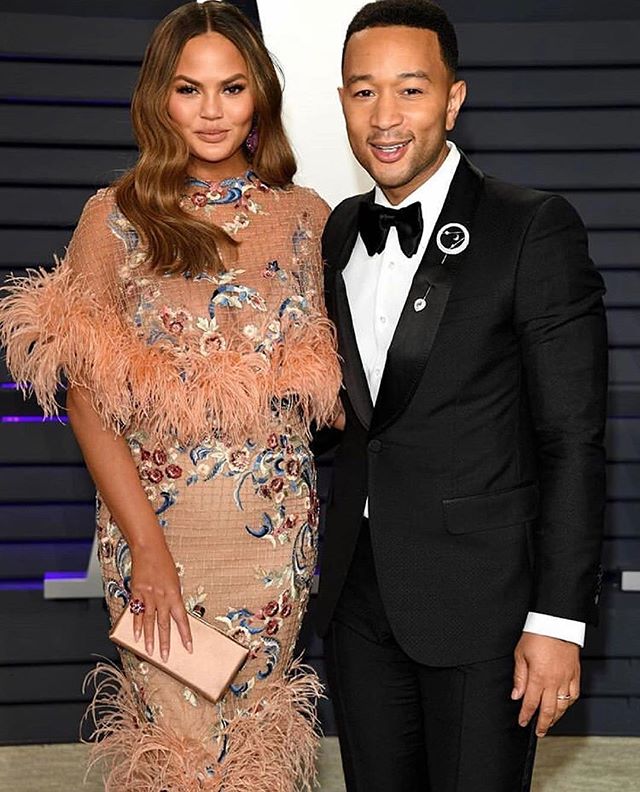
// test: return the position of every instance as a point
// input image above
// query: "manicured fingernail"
(165, 655)
(514, 693)
(136, 635)
(189, 647)
(523, 723)
(540, 735)
(149, 648)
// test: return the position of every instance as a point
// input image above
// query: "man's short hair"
(421, 14)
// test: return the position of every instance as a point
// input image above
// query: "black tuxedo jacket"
(483, 458)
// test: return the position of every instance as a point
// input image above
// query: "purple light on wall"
(64, 575)
(21, 585)
(8, 386)
(33, 419)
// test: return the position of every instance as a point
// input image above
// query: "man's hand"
(546, 669)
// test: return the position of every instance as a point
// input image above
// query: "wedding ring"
(564, 697)
(136, 606)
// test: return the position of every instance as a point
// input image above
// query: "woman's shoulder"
(99, 208)
(103, 200)
(307, 200)
(102, 239)
(101, 216)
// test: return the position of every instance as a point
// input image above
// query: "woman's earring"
(251, 142)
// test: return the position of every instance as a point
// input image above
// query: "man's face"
(399, 101)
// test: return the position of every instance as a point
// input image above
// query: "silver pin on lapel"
(421, 303)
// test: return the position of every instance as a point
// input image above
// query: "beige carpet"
(565, 764)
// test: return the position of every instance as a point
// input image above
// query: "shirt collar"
(437, 184)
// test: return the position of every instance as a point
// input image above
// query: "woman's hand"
(339, 419)
(155, 582)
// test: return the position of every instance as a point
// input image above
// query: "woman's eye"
(187, 90)
(234, 89)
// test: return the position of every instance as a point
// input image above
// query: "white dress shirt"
(377, 288)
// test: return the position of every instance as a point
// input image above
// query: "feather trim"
(307, 365)
(272, 748)
(51, 325)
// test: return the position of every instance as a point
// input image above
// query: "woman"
(187, 319)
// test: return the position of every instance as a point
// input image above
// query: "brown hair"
(149, 194)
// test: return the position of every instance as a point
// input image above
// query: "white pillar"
(306, 39)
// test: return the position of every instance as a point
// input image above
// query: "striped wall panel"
(553, 104)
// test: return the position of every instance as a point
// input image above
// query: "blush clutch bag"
(209, 670)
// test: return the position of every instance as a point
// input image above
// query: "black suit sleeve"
(562, 330)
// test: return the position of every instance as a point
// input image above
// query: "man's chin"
(386, 179)
(383, 174)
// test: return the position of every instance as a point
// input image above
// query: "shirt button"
(377, 372)
(383, 319)
(375, 446)
(392, 264)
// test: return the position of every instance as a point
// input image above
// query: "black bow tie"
(374, 222)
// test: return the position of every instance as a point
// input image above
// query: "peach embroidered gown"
(213, 380)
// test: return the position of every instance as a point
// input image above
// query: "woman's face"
(212, 105)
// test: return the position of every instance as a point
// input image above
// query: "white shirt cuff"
(555, 627)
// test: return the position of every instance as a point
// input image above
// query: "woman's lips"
(389, 152)
(216, 136)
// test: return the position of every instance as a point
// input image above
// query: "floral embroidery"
(175, 321)
(211, 339)
(228, 276)
(114, 551)
(193, 603)
(190, 696)
(239, 192)
(257, 630)
(239, 223)
(272, 336)
(138, 672)
(159, 473)
(275, 577)
(235, 190)
(154, 465)
(234, 296)
(294, 309)
(147, 293)
(122, 228)
(199, 199)
(272, 270)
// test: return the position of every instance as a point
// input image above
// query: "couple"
(464, 524)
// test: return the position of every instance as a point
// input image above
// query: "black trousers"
(407, 727)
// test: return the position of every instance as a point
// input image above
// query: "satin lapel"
(416, 331)
(355, 380)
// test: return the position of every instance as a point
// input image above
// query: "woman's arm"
(154, 578)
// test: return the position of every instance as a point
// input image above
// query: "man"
(472, 330)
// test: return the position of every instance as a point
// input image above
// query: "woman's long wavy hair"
(149, 194)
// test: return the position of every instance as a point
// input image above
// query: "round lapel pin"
(421, 303)
(452, 239)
